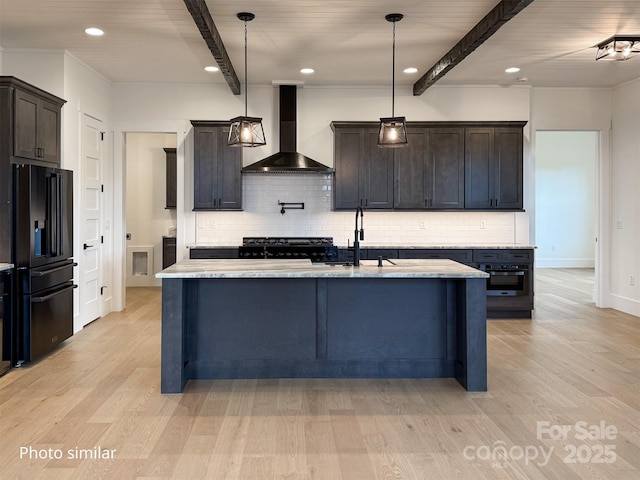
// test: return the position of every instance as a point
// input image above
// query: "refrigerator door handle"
(51, 295)
(38, 273)
(51, 220)
(54, 215)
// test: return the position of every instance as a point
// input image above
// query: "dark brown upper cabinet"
(446, 166)
(217, 168)
(33, 119)
(429, 173)
(171, 172)
(493, 168)
(364, 172)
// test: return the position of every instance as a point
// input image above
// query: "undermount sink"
(334, 264)
(363, 263)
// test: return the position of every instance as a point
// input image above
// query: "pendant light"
(393, 130)
(246, 131)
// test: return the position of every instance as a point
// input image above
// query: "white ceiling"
(347, 43)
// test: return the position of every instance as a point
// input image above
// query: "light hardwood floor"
(572, 366)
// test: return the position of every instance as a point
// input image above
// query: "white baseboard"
(565, 262)
(624, 304)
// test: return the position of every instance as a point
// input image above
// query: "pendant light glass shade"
(393, 130)
(246, 131)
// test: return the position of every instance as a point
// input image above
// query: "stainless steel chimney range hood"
(287, 160)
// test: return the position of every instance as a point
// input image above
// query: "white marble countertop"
(272, 268)
(5, 266)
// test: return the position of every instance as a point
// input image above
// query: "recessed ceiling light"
(512, 70)
(307, 71)
(96, 32)
(211, 68)
(410, 70)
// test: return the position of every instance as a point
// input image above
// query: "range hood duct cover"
(287, 160)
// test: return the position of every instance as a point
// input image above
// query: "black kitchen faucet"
(359, 235)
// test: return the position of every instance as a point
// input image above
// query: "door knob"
(87, 246)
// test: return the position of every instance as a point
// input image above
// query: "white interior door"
(91, 220)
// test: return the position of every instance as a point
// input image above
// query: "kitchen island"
(293, 318)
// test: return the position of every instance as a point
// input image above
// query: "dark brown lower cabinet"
(510, 289)
(213, 252)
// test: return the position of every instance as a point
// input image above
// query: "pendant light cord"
(393, 74)
(246, 89)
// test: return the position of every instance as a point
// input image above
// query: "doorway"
(148, 218)
(566, 193)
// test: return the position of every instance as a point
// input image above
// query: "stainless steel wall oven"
(507, 280)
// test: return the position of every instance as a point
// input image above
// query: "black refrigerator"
(42, 253)
(6, 330)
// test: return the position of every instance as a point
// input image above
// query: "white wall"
(147, 218)
(42, 68)
(88, 93)
(625, 199)
(566, 198)
(616, 115)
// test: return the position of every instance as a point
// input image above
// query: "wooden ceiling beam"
(202, 17)
(484, 29)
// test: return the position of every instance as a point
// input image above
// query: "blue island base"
(216, 328)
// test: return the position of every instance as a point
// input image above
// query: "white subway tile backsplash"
(261, 217)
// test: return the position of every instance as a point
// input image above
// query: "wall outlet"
(483, 224)
(619, 224)
(422, 225)
(632, 280)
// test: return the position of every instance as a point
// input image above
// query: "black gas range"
(317, 249)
